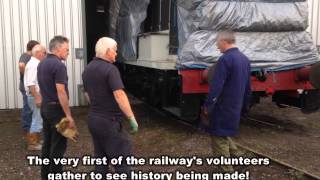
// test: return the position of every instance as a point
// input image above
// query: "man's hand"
(71, 123)
(38, 100)
(204, 116)
(134, 125)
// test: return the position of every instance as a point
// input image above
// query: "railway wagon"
(162, 65)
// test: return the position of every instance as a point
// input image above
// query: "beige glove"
(70, 133)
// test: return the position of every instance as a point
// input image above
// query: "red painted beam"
(193, 82)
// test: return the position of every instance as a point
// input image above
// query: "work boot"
(40, 140)
(33, 142)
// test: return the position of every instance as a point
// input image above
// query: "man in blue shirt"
(108, 101)
(53, 83)
(229, 94)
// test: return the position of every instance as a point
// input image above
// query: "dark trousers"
(54, 145)
(110, 140)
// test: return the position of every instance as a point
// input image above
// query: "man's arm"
(86, 95)
(64, 102)
(35, 94)
(247, 96)
(22, 67)
(125, 107)
(217, 84)
(123, 102)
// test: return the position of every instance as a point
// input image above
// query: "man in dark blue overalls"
(104, 91)
(229, 94)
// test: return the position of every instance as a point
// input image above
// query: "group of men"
(46, 102)
(46, 94)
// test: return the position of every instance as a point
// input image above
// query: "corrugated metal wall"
(314, 20)
(23, 20)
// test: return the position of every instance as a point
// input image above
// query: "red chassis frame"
(193, 81)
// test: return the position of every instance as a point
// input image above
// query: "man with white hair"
(34, 98)
(104, 91)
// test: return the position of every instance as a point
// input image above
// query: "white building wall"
(23, 20)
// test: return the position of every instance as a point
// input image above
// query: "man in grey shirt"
(26, 114)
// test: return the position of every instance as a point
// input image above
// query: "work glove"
(64, 129)
(133, 124)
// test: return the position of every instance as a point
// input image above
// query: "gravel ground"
(160, 134)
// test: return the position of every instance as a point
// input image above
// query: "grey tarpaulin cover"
(272, 50)
(130, 14)
(271, 33)
(253, 16)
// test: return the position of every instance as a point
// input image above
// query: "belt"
(54, 103)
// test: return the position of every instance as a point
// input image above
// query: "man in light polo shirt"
(34, 98)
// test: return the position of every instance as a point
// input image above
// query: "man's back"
(50, 72)
(100, 79)
(30, 74)
(229, 90)
(238, 67)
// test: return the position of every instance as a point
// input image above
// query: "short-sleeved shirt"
(100, 80)
(51, 71)
(24, 58)
(30, 75)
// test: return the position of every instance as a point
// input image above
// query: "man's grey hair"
(37, 48)
(103, 44)
(228, 36)
(56, 42)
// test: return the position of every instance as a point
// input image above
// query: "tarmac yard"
(169, 149)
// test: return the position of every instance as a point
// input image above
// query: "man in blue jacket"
(229, 94)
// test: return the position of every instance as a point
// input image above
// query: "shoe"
(33, 140)
(34, 147)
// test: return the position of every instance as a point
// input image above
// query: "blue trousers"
(36, 125)
(110, 140)
(26, 113)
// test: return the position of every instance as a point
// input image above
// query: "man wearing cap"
(104, 89)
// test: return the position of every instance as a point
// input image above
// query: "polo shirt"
(30, 75)
(24, 58)
(51, 71)
(100, 80)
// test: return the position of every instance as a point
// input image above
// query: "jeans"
(54, 145)
(26, 113)
(36, 125)
(110, 140)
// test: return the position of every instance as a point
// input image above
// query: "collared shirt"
(51, 71)
(100, 80)
(24, 58)
(30, 75)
